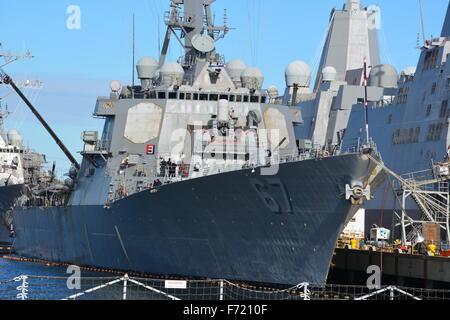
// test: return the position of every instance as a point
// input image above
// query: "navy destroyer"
(199, 173)
(407, 111)
(19, 166)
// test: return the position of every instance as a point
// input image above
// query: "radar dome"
(298, 72)
(235, 68)
(115, 86)
(329, 74)
(384, 76)
(171, 73)
(252, 78)
(146, 68)
(272, 91)
(14, 138)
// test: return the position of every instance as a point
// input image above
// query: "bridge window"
(403, 95)
(429, 108)
(431, 59)
(444, 108)
(417, 134)
(172, 95)
(433, 88)
(161, 95)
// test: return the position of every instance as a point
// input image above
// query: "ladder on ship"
(429, 189)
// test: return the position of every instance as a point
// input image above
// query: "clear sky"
(77, 65)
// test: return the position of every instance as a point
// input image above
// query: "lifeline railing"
(132, 288)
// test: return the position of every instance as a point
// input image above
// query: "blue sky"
(77, 65)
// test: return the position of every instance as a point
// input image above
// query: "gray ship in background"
(408, 111)
(20, 167)
(20, 170)
(199, 173)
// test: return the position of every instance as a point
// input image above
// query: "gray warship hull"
(238, 225)
(8, 195)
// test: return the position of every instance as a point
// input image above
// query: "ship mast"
(195, 25)
(10, 58)
(3, 115)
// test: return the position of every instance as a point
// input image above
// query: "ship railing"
(358, 145)
(125, 287)
(172, 18)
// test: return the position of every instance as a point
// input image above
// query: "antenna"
(134, 48)
(366, 102)
(10, 58)
(422, 22)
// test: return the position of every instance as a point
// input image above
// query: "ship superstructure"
(408, 111)
(20, 167)
(198, 172)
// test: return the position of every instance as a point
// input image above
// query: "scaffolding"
(429, 189)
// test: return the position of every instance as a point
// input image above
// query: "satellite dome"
(146, 68)
(384, 76)
(409, 71)
(298, 72)
(329, 74)
(115, 86)
(14, 138)
(171, 73)
(252, 78)
(235, 68)
(273, 92)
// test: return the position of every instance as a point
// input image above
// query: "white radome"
(235, 68)
(329, 74)
(384, 76)
(298, 72)
(273, 92)
(171, 73)
(115, 86)
(147, 67)
(252, 78)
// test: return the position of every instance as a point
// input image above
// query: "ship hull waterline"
(238, 225)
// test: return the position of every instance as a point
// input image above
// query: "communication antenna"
(366, 102)
(10, 58)
(134, 55)
(422, 22)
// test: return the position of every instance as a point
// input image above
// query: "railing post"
(125, 283)
(23, 288)
(391, 293)
(221, 291)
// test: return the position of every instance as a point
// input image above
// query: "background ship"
(198, 173)
(19, 166)
(408, 112)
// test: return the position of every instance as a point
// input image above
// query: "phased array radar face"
(143, 122)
